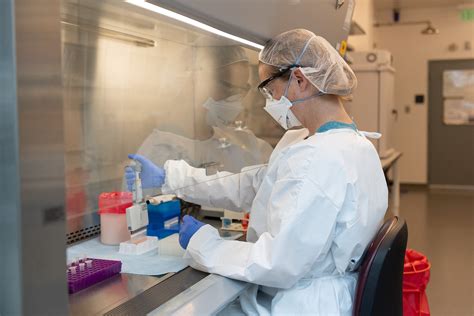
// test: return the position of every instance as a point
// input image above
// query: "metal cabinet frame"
(32, 264)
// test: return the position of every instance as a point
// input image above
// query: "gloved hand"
(152, 176)
(188, 228)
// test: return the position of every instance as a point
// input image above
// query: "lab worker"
(221, 85)
(314, 207)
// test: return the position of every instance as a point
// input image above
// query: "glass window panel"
(137, 82)
(458, 94)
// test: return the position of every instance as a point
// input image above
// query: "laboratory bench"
(187, 292)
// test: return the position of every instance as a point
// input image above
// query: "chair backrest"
(379, 287)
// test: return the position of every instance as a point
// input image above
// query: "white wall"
(412, 51)
(364, 16)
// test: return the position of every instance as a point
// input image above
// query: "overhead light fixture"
(173, 15)
(429, 30)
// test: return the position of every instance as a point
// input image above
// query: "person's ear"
(302, 81)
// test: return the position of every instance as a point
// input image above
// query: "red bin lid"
(114, 202)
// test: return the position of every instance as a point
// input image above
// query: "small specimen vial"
(73, 269)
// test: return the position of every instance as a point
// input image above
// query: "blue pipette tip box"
(163, 219)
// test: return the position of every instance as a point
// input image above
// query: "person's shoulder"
(315, 146)
(296, 160)
(318, 155)
(314, 165)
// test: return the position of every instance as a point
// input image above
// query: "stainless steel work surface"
(132, 294)
(207, 297)
(159, 294)
(104, 296)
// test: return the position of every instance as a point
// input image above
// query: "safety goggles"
(262, 87)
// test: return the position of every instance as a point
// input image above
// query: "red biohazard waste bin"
(416, 275)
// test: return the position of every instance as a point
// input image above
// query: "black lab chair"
(379, 287)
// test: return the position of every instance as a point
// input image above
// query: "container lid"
(114, 202)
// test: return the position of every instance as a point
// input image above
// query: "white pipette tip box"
(139, 245)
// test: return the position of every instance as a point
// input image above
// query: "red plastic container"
(416, 276)
(113, 220)
(114, 202)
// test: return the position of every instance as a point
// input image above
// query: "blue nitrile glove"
(188, 228)
(152, 176)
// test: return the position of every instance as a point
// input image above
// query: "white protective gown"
(314, 209)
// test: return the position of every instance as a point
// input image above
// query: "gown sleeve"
(223, 190)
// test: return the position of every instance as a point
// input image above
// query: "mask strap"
(310, 97)
(297, 63)
(288, 84)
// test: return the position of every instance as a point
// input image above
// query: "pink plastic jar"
(113, 218)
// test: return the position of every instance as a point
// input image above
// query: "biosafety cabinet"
(373, 104)
(82, 84)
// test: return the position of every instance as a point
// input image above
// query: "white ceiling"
(402, 4)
